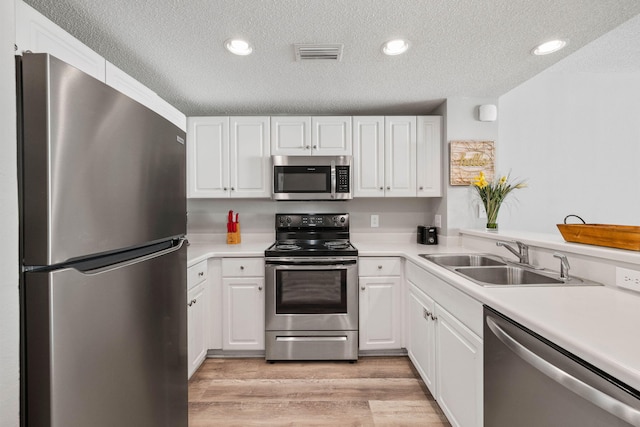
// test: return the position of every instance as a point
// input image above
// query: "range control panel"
(326, 221)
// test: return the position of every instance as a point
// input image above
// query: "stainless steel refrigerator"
(103, 288)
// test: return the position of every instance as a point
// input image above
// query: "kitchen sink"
(494, 271)
(464, 260)
(508, 276)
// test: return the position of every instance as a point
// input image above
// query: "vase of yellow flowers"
(492, 194)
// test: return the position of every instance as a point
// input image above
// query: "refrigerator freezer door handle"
(181, 242)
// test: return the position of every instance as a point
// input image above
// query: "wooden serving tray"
(613, 236)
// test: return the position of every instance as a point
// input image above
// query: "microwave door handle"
(333, 179)
(586, 391)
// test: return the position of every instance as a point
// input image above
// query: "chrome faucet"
(564, 265)
(522, 253)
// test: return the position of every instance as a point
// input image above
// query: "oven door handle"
(313, 263)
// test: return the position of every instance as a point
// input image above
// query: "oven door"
(311, 294)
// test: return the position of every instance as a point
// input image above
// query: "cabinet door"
(429, 172)
(38, 34)
(380, 320)
(400, 156)
(459, 359)
(243, 313)
(249, 150)
(290, 136)
(208, 157)
(331, 136)
(197, 348)
(421, 343)
(368, 156)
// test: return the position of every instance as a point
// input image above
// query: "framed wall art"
(469, 158)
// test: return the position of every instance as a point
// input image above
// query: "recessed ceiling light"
(238, 47)
(395, 47)
(549, 47)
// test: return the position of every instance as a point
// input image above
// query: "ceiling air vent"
(318, 51)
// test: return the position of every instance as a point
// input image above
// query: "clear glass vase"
(492, 226)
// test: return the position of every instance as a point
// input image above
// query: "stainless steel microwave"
(312, 178)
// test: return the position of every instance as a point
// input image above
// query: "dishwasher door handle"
(579, 387)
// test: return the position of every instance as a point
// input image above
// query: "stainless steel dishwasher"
(529, 381)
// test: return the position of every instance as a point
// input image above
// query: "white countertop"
(597, 323)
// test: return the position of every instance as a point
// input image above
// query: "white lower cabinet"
(459, 370)
(380, 304)
(422, 336)
(243, 304)
(445, 346)
(196, 316)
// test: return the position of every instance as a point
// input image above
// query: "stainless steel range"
(311, 286)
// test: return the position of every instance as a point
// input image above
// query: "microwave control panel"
(342, 176)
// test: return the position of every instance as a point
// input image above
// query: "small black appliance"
(427, 235)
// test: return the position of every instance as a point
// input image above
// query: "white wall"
(574, 132)
(461, 123)
(9, 321)
(397, 215)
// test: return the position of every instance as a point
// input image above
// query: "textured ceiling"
(463, 48)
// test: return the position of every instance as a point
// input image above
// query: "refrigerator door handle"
(178, 246)
(593, 395)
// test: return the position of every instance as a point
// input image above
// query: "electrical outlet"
(375, 221)
(628, 279)
(437, 221)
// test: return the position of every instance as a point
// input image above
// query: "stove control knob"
(342, 219)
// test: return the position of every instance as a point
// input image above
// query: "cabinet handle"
(363, 288)
(388, 188)
(315, 147)
(434, 318)
(233, 189)
(225, 189)
(381, 188)
(259, 288)
(242, 267)
(193, 301)
(306, 147)
(201, 273)
(421, 187)
(379, 267)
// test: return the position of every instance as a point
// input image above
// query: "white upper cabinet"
(331, 136)
(123, 82)
(249, 148)
(228, 157)
(290, 136)
(37, 34)
(368, 156)
(397, 156)
(400, 156)
(302, 135)
(429, 174)
(208, 157)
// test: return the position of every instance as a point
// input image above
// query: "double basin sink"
(494, 271)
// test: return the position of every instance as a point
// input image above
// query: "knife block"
(234, 238)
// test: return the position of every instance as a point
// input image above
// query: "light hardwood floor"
(375, 391)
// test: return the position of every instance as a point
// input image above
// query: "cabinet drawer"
(372, 266)
(243, 267)
(196, 274)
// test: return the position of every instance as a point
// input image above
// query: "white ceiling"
(464, 48)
